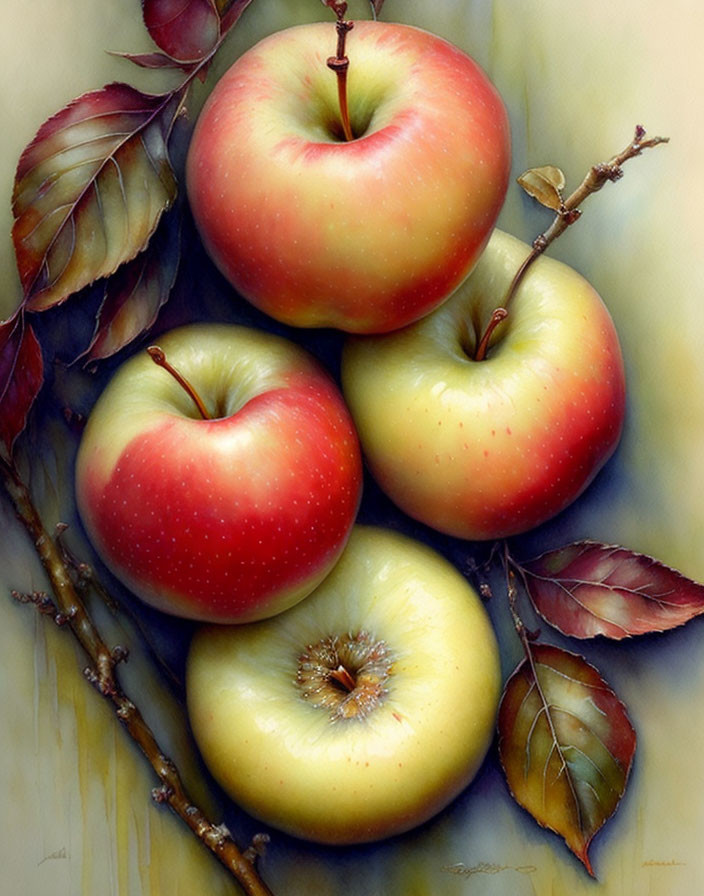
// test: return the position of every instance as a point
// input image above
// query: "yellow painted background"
(75, 813)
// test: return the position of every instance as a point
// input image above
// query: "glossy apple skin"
(363, 236)
(483, 450)
(228, 519)
(352, 780)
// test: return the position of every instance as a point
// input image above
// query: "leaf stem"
(68, 609)
(527, 639)
(526, 635)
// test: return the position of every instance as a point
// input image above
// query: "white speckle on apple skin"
(243, 514)
(510, 441)
(290, 173)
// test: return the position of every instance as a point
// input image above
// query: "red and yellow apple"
(225, 519)
(486, 449)
(362, 711)
(364, 235)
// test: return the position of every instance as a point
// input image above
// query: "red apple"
(364, 235)
(228, 519)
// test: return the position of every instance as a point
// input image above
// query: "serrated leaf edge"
(524, 572)
(584, 855)
(30, 297)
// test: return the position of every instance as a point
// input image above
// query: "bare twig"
(526, 635)
(569, 211)
(86, 580)
(67, 608)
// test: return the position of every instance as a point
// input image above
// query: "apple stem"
(158, 356)
(343, 677)
(497, 316)
(568, 210)
(340, 64)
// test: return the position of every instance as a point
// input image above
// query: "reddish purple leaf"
(90, 189)
(186, 30)
(566, 745)
(154, 60)
(21, 377)
(135, 294)
(230, 11)
(587, 589)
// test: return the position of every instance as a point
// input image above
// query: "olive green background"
(75, 814)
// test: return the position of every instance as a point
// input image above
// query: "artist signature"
(658, 863)
(486, 868)
(463, 870)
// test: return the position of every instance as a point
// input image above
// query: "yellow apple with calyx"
(362, 711)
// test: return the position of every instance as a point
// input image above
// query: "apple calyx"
(158, 356)
(340, 63)
(347, 675)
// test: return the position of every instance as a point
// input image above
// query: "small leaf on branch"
(21, 377)
(90, 189)
(135, 294)
(376, 7)
(587, 589)
(186, 30)
(544, 184)
(566, 745)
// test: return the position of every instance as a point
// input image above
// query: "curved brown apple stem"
(340, 63)
(158, 356)
(567, 211)
(497, 316)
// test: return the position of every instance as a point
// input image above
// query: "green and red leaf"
(90, 189)
(566, 745)
(135, 294)
(588, 588)
(21, 377)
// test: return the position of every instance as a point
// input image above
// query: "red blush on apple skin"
(257, 535)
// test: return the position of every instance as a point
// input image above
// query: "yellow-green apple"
(365, 234)
(230, 518)
(490, 448)
(362, 711)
